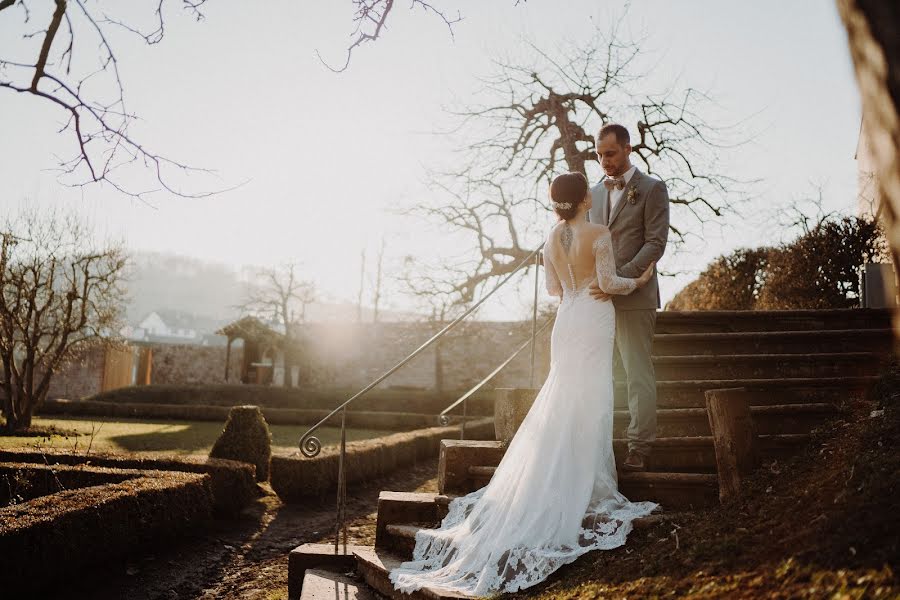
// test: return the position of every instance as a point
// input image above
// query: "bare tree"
(437, 299)
(362, 282)
(60, 295)
(84, 81)
(540, 118)
(280, 294)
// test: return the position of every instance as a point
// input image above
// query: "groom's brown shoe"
(635, 462)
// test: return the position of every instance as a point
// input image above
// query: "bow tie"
(614, 182)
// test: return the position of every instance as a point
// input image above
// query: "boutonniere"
(632, 195)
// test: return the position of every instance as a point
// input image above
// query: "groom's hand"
(599, 294)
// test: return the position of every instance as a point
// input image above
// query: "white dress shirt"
(615, 194)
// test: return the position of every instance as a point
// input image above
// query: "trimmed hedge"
(23, 482)
(205, 412)
(53, 537)
(232, 484)
(246, 438)
(381, 399)
(296, 478)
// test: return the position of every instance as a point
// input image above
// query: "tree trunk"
(734, 438)
(873, 32)
(288, 368)
(12, 412)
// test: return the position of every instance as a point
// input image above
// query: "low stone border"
(207, 412)
(296, 478)
(52, 537)
(232, 484)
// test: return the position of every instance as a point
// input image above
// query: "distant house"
(167, 326)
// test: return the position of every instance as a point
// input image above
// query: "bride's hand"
(646, 275)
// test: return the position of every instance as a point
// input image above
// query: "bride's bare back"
(580, 254)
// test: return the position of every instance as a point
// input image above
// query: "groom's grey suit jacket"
(640, 229)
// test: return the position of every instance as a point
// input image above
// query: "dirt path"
(246, 558)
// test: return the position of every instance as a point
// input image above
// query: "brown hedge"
(382, 399)
(204, 412)
(51, 538)
(232, 483)
(296, 478)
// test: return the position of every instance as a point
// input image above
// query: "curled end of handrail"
(444, 420)
(310, 446)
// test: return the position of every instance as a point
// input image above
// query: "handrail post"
(537, 263)
(462, 427)
(341, 525)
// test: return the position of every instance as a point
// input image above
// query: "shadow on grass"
(177, 437)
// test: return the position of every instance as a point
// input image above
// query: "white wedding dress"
(554, 495)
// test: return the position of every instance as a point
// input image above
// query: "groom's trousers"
(634, 340)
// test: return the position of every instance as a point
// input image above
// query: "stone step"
(374, 564)
(319, 558)
(690, 422)
(324, 585)
(698, 455)
(401, 539)
(674, 455)
(673, 491)
(773, 342)
(669, 321)
(763, 366)
(763, 391)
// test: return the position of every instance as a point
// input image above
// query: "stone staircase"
(799, 367)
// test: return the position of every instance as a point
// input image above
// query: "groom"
(635, 207)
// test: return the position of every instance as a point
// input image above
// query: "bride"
(554, 495)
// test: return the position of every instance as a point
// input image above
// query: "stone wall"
(185, 363)
(352, 355)
(80, 378)
(348, 357)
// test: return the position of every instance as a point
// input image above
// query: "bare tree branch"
(100, 126)
(540, 118)
(280, 295)
(370, 17)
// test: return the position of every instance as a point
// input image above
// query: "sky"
(321, 158)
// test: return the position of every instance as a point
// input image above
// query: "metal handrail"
(310, 445)
(443, 419)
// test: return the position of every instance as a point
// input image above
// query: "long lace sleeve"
(607, 278)
(554, 287)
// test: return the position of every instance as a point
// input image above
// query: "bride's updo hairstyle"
(566, 192)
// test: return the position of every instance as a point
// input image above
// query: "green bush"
(821, 268)
(818, 270)
(731, 282)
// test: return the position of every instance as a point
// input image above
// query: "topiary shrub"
(246, 438)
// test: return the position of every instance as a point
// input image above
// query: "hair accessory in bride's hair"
(562, 205)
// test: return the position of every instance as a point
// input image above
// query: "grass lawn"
(162, 436)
